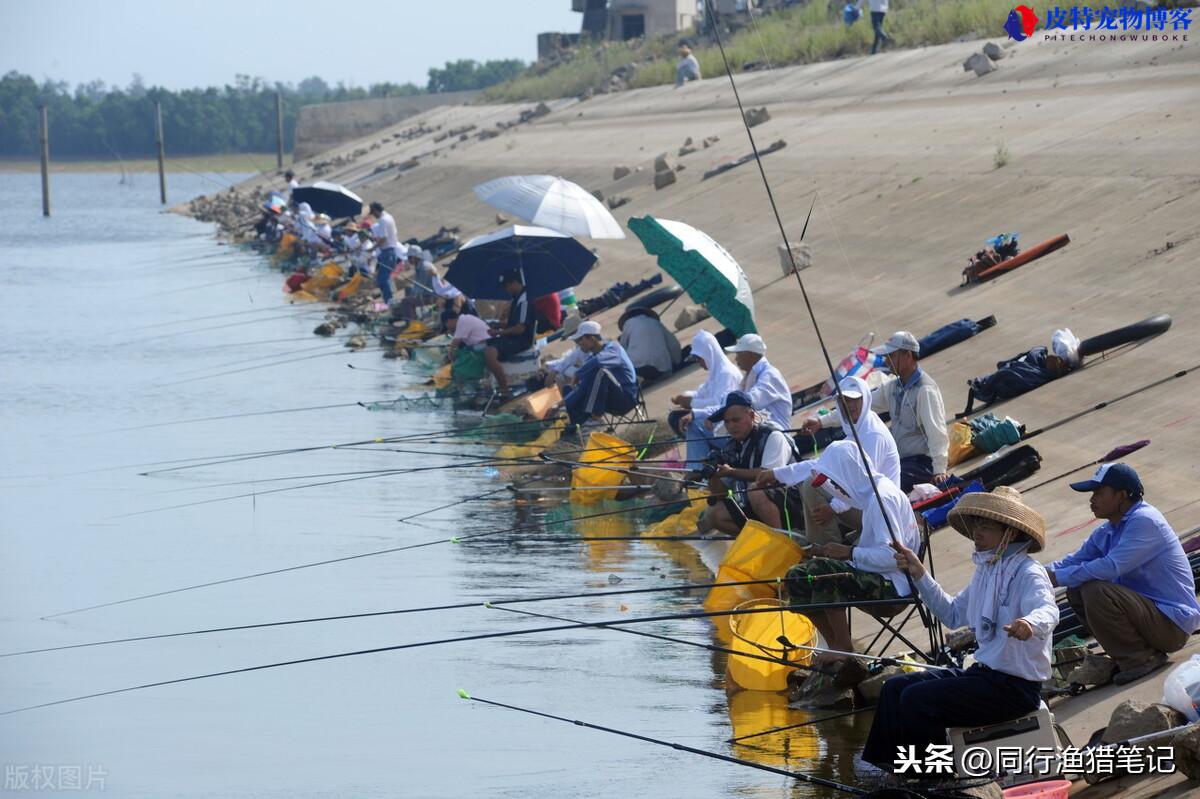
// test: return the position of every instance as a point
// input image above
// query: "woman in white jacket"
(723, 377)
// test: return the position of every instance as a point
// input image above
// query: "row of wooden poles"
(44, 140)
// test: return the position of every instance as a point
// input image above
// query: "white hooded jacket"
(842, 464)
(873, 433)
(723, 376)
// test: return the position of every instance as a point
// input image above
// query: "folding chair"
(886, 615)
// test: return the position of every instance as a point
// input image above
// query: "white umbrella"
(551, 202)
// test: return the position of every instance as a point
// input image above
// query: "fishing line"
(398, 647)
(824, 783)
(226, 416)
(289, 309)
(314, 313)
(329, 346)
(250, 368)
(774, 730)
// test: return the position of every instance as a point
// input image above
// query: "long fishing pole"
(670, 639)
(807, 723)
(1106, 403)
(398, 612)
(387, 551)
(708, 614)
(1115, 454)
(278, 309)
(330, 347)
(300, 314)
(798, 775)
(249, 369)
(224, 417)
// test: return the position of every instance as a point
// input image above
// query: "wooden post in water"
(44, 139)
(158, 139)
(279, 130)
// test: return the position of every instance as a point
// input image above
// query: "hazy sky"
(184, 44)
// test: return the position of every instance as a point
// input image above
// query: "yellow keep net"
(534, 448)
(610, 454)
(759, 634)
(758, 553)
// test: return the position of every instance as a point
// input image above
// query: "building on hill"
(631, 19)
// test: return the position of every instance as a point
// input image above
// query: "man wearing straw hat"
(1130, 584)
(1009, 605)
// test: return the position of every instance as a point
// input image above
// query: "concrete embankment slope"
(901, 148)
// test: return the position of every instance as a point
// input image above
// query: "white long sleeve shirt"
(925, 433)
(1026, 594)
(770, 393)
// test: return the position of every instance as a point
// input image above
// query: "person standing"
(879, 9)
(387, 244)
(763, 382)
(1130, 584)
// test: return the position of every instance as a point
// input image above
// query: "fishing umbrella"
(548, 261)
(551, 202)
(706, 271)
(329, 198)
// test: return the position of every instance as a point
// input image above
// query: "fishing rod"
(797, 775)
(1115, 454)
(285, 310)
(331, 347)
(227, 416)
(299, 315)
(1115, 400)
(708, 614)
(807, 723)
(248, 369)
(389, 550)
(671, 640)
(397, 612)
(379, 371)
(385, 473)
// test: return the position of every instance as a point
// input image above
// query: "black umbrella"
(548, 262)
(329, 198)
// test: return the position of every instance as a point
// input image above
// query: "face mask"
(830, 489)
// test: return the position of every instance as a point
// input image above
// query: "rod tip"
(463, 694)
(454, 539)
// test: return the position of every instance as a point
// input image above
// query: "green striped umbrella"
(706, 271)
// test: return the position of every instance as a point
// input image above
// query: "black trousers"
(915, 469)
(916, 709)
(877, 26)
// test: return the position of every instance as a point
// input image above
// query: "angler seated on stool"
(605, 383)
(841, 573)
(509, 342)
(753, 448)
(1009, 606)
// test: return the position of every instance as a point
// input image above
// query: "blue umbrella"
(548, 261)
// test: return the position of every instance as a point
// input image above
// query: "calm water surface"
(103, 331)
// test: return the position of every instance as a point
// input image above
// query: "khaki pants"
(829, 532)
(1128, 625)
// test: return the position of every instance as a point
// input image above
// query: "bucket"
(1051, 789)
(758, 634)
(606, 451)
(759, 553)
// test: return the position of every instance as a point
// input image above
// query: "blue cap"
(1119, 476)
(732, 399)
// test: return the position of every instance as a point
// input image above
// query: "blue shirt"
(613, 358)
(1141, 553)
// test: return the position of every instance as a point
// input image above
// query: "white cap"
(414, 251)
(850, 388)
(749, 343)
(900, 340)
(588, 328)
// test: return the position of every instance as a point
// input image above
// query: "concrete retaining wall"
(324, 126)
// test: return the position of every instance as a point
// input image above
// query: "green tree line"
(94, 120)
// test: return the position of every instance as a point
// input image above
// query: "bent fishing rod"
(797, 775)
(388, 551)
(412, 645)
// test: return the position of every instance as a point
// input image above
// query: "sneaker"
(1126, 676)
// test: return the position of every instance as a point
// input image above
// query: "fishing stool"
(1036, 730)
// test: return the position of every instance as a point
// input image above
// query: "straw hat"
(1003, 505)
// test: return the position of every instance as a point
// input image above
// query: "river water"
(104, 341)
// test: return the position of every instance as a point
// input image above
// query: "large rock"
(690, 316)
(980, 63)
(757, 116)
(1187, 752)
(993, 51)
(870, 688)
(664, 179)
(664, 163)
(686, 149)
(620, 172)
(800, 251)
(614, 201)
(1095, 670)
(1131, 719)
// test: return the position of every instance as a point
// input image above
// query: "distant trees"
(466, 74)
(95, 120)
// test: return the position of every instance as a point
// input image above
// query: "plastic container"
(1050, 789)
(1181, 689)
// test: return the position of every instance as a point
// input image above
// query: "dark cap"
(376, 207)
(732, 400)
(511, 276)
(1119, 476)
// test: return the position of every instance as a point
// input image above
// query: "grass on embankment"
(221, 162)
(814, 32)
